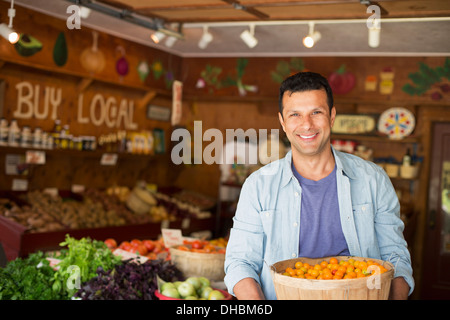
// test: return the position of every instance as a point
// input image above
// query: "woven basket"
(194, 264)
(375, 287)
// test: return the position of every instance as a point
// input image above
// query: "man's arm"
(399, 289)
(248, 289)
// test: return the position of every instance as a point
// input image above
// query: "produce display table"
(17, 242)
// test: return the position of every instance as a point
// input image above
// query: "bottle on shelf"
(37, 138)
(56, 133)
(14, 134)
(4, 132)
(407, 158)
(26, 137)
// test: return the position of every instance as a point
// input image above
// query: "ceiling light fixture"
(374, 37)
(374, 27)
(205, 39)
(85, 12)
(157, 36)
(170, 41)
(313, 36)
(248, 36)
(6, 31)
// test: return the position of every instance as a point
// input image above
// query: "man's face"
(307, 121)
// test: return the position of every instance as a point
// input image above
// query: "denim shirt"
(266, 224)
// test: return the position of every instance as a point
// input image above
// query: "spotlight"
(170, 41)
(248, 36)
(310, 40)
(8, 33)
(205, 39)
(84, 12)
(374, 37)
(157, 36)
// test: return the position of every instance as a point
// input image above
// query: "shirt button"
(294, 255)
(296, 194)
(294, 224)
(363, 208)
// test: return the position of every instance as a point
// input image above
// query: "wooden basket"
(194, 264)
(375, 287)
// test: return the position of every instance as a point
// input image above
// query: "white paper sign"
(108, 159)
(35, 157)
(172, 237)
(125, 255)
(19, 185)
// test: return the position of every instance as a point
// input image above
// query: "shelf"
(374, 138)
(77, 153)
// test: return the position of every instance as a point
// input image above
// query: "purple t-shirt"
(320, 225)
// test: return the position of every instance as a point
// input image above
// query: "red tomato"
(140, 249)
(125, 245)
(197, 244)
(135, 242)
(158, 248)
(111, 243)
(149, 244)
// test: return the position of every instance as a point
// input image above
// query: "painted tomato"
(342, 81)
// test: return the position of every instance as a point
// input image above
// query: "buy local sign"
(34, 101)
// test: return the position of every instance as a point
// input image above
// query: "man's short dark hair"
(305, 81)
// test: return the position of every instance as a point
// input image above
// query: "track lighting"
(6, 31)
(170, 41)
(311, 39)
(85, 12)
(157, 36)
(248, 36)
(374, 37)
(374, 27)
(205, 39)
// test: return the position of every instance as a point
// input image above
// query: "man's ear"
(280, 117)
(333, 116)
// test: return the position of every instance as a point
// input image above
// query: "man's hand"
(248, 289)
(399, 289)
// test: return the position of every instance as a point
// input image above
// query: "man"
(315, 202)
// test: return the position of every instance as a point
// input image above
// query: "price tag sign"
(108, 159)
(172, 237)
(125, 255)
(78, 188)
(19, 185)
(35, 157)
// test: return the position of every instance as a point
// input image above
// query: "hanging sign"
(177, 89)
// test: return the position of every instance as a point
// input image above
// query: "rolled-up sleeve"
(244, 254)
(389, 228)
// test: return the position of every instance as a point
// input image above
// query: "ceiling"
(408, 27)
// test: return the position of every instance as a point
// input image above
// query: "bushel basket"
(375, 287)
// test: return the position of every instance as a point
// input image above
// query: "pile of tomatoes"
(200, 246)
(148, 248)
(334, 269)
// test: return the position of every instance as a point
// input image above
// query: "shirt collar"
(341, 165)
